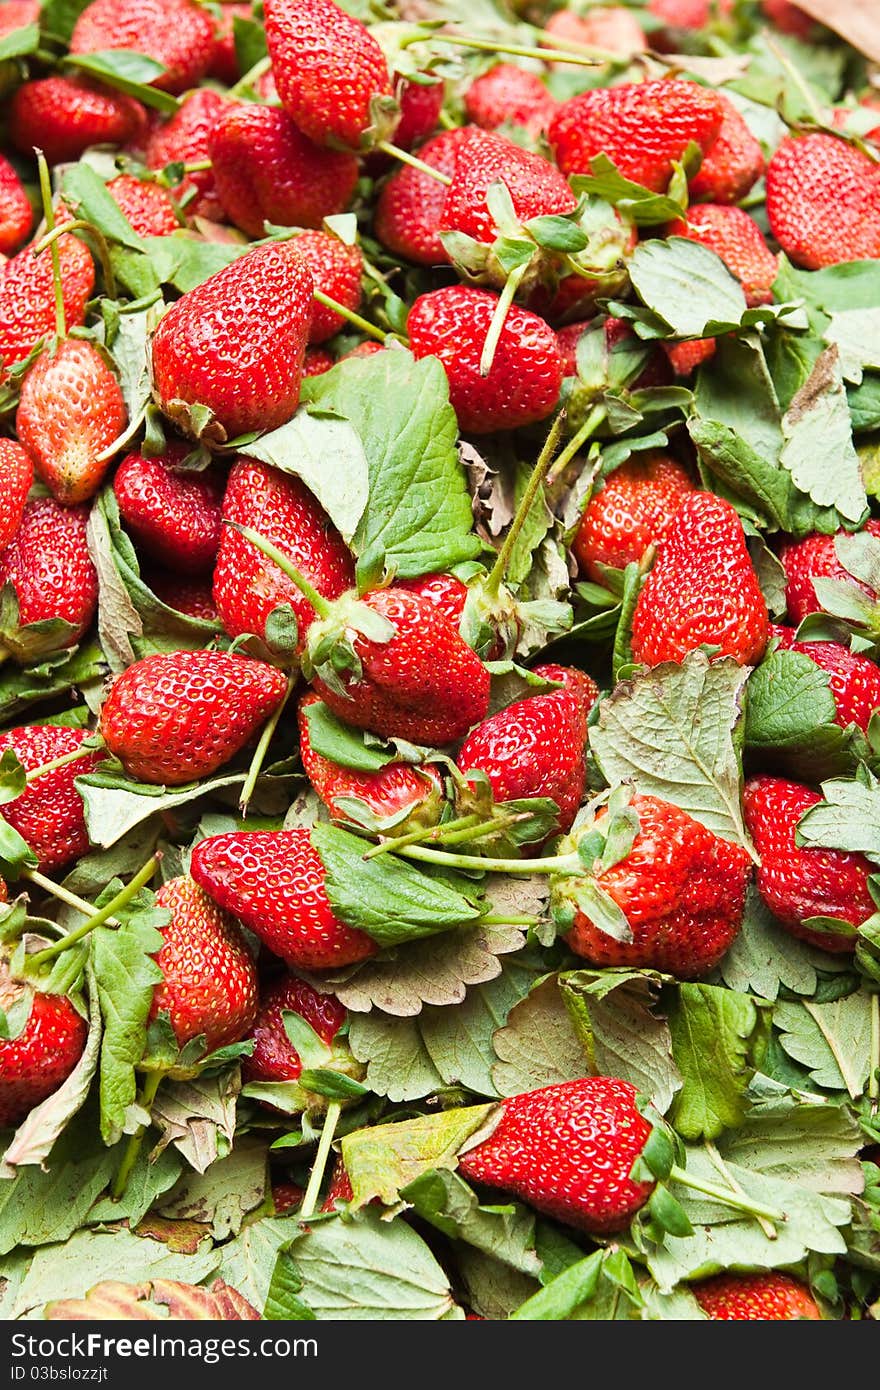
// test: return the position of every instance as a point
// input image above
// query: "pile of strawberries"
(290, 807)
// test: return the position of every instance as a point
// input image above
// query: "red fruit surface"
(632, 510)
(447, 592)
(568, 1150)
(287, 1197)
(34, 1064)
(854, 680)
(63, 116)
(756, 1298)
(27, 300)
(224, 64)
(147, 206)
(737, 239)
(420, 107)
(49, 812)
(179, 34)
(174, 718)
(336, 270)
(274, 1057)
(536, 187)
(409, 207)
(732, 165)
(577, 683)
(823, 201)
(48, 564)
(685, 358)
(688, 14)
(173, 517)
(273, 882)
(612, 28)
(797, 884)
(210, 979)
(185, 139)
(16, 14)
(523, 384)
(317, 361)
(184, 593)
(16, 213)
(791, 19)
(814, 557)
(508, 94)
(16, 476)
(702, 589)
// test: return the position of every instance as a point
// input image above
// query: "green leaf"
(712, 1036)
(639, 204)
(833, 1041)
(87, 192)
(249, 1260)
(115, 805)
(381, 1160)
(855, 334)
(558, 1300)
(58, 17)
(250, 42)
(128, 72)
(39, 1206)
(198, 1116)
(19, 42)
(811, 1143)
(614, 1014)
(223, 1196)
(327, 454)
(621, 655)
(539, 1044)
(687, 286)
(847, 817)
(343, 745)
(15, 853)
(507, 1233)
(819, 452)
(179, 260)
(283, 1301)
(790, 718)
(56, 675)
(765, 957)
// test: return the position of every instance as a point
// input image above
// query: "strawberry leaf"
(637, 203)
(814, 1144)
(445, 1200)
(714, 1033)
(40, 1207)
(115, 804)
(250, 1258)
(55, 675)
(833, 1041)
(198, 1116)
(847, 818)
(539, 1044)
(154, 1302)
(342, 744)
(764, 957)
(818, 451)
(86, 192)
(128, 72)
(790, 719)
(58, 18)
(382, 1160)
(224, 1194)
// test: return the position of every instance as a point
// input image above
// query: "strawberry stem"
(145, 1099)
(322, 606)
(413, 161)
(363, 324)
(310, 1201)
(555, 864)
(415, 837)
(262, 747)
(63, 761)
(102, 916)
(63, 895)
(583, 57)
(577, 441)
(536, 482)
(49, 214)
(511, 920)
(723, 1194)
(718, 1162)
(499, 318)
(80, 225)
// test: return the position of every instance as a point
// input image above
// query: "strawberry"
(35, 1063)
(185, 139)
(274, 1057)
(49, 812)
(340, 1189)
(192, 596)
(688, 14)
(209, 984)
(235, 345)
(509, 95)
(179, 34)
(420, 106)
(273, 881)
(575, 296)
(568, 1150)
(814, 557)
(63, 116)
(16, 14)
(536, 188)
(147, 206)
(797, 884)
(317, 361)
(247, 585)
(365, 349)
(70, 412)
(612, 28)
(286, 1197)
(577, 683)
(330, 72)
(27, 298)
(266, 170)
(656, 371)
(16, 476)
(174, 517)
(632, 511)
(701, 590)
(447, 592)
(224, 63)
(823, 201)
(48, 565)
(789, 18)
(336, 270)
(732, 165)
(409, 207)
(755, 1297)
(681, 888)
(643, 127)
(178, 716)
(854, 681)
(685, 358)
(737, 239)
(523, 384)
(398, 794)
(16, 213)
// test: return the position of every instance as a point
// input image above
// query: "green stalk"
(577, 441)
(355, 319)
(556, 864)
(582, 57)
(722, 1194)
(536, 481)
(145, 1099)
(104, 914)
(80, 225)
(62, 894)
(321, 605)
(262, 747)
(310, 1201)
(49, 214)
(63, 761)
(413, 161)
(420, 836)
(252, 75)
(499, 318)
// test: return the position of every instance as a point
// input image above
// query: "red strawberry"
(578, 684)
(755, 1297)
(732, 165)
(409, 207)
(16, 476)
(247, 585)
(340, 1189)
(224, 64)
(209, 984)
(34, 1064)
(656, 371)
(688, 14)
(48, 564)
(317, 361)
(235, 344)
(63, 116)
(336, 270)
(575, 296)
(178, 716)
(681, 888)
(685, 358)
(508, 94)
(854, 681)
(790, 19)
(27, 298)
(633, 510)
(186, 595)
(420, 107)
(447, 592)
(643, 127)
(814, 558)
(365, 349)
(16, 213)
(737, 239)
(536, 188)
(185, 140)
(49, 812)
(274, 1057)
(568, 1150)
(286, 1197)
(823, 201)
(614, 29)
(702, 589)
(330, 72)
(397, 792)
(147, 206)
(266, 170)
(179, 34)
(174, 517)
(526, 375)
(70, 412)
(16, 14)
(273, 881)
(797, 884)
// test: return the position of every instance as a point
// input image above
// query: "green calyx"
(330, 648)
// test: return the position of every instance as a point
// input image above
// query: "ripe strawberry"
(814, 558)
(732, 165)
(756, 1298)
(643, 127)
(179, 34)
(702, 589)
(420, 107)
(823, 201)
(330, 72)
(16, 477)
(681, 888)
(633, 510)
(147, 206)
(34, 1064)
(16, 213)
(577, 683)
(274, 1057)
(737, 239)
(568, 1150)
(174, 517)
(409, 207)
(185, 139)
(235, 344)
(286, 1197)
(797, 884)
(248, 585)
(273, 881)
(526, 375)
(688, 14)
(576, 296)
(192, 596)
(685, 358)
(49, 812)
(16, 14)
(224, 63)
(447, 592)
(317, 361)
(209, 983)
(48, 564)
(340, 1189)
(614, 29)
(70, 411)
(266, 170)
(788, 18)
(178, 716)
(656, 371)
(509, 95)
(336, 270)
(63, 116)
(27, 299)
(536, 188)
(854, 680)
